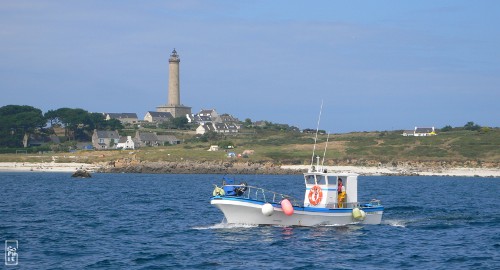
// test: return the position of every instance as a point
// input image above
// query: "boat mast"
(316, 137)
(324, 153)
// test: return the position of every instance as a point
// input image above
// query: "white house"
(204, 128)
(211, 113)
(217, 127)
(213, 148)
(420, 131)
(126, 143)
(204, 117)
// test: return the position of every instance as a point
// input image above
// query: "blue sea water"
(146, 221)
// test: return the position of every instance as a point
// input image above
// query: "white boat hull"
(240, 211)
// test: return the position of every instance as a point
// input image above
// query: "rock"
(81, 174)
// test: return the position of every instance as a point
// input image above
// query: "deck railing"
(264, 195)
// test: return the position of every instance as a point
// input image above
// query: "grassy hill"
(384, 147)
(458, 147)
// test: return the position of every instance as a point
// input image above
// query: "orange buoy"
(287, 207)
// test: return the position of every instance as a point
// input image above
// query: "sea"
(165, 221)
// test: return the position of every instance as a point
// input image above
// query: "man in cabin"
(341, 193)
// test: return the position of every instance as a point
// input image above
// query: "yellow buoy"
(218, 191)
(363, 214)
(356, 213)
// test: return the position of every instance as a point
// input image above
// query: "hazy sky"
(377, 65)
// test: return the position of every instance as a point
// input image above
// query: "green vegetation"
(16, 122)
(280, 147)
(276, 143)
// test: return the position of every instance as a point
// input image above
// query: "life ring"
(315, 195)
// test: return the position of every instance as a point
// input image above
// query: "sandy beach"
(44, 167)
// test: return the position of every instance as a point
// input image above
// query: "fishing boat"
(330, 198)
(323, 204)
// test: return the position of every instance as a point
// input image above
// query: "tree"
(97, 121)
(210, 136)
(113, 124)
(472, 126)
(226, 144)
(74, 121)
(179, 122)
(79, 123)
(17, 122)
(446, 128)
(248, 123)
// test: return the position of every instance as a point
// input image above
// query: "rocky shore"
(196, 167)
(234, 167)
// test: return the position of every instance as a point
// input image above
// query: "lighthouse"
(173, 79)
(174, 105)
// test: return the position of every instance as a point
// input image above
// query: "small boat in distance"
(329, 199)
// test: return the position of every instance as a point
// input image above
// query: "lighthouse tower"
(174, 105)
(173, 79)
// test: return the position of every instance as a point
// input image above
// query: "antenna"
(316, 137)
(324, 153)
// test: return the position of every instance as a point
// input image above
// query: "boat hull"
(243, 211)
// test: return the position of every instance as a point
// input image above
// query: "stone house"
(227, 118)
(146, 139)
(105, 139)
(168, 139)
(152, 139)
(155, 117)
(124, 118)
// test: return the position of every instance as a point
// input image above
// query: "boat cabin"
(322, 190)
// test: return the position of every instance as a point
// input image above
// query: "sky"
(375, 65)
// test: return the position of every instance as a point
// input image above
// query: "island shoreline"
(187, 167)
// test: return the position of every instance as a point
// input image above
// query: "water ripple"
(138, 221)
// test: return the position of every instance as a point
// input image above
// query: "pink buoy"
(287, 207)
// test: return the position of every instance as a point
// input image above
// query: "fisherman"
(339, 189)
(341, 193)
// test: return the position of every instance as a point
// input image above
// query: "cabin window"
(321, 180)
(310, 180)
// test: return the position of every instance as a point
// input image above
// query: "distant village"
(207, 121)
